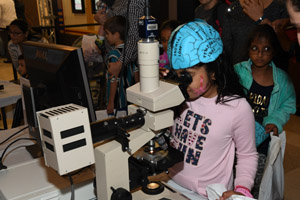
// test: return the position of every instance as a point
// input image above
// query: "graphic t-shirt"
(259, 99)
(208, 133)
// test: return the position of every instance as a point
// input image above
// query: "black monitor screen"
(57, 73)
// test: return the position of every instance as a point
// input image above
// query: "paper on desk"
(215, 191)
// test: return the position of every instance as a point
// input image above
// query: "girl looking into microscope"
(216, 123)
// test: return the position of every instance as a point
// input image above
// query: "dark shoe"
(7, 61)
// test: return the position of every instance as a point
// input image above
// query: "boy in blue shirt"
(115, 30)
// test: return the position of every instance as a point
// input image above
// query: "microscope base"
(32, 180)
(112, 168)
(168, 193)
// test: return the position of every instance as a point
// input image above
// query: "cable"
(2, 156)
(78, 171)
(72, 187)
(71, 181)
(13, 135)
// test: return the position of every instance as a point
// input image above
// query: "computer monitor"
(57, 75)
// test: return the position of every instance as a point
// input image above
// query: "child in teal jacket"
(282, 100)
(283, 97)
(269, 91)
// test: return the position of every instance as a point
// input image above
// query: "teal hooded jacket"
(283, 97)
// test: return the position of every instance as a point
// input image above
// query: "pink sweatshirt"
(208, 134)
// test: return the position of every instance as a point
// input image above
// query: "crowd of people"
(14, 31)
(239, 84)
(241, 77)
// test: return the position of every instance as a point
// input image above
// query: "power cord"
(13, 135)
(72, 187)
(3, 153)
(72, 183)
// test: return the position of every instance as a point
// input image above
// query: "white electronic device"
(66, 138)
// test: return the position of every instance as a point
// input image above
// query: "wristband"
(245, 191)
(260, 20)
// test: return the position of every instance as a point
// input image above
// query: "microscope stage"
(166, 96)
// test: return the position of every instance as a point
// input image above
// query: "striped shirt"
(126, 81)
(136, 10)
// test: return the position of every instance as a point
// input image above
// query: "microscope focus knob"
(120, 194)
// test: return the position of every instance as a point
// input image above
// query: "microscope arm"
(116, 128)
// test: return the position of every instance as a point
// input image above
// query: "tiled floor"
(6, 71)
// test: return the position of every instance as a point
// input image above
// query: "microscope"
(127, 149)
(152, 98)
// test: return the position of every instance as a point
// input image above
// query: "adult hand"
(114, 68)
(253, 8)
(271, 128)
(228, 194)
(280, 24)
(101, 16)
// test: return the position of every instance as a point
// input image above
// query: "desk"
(29, 179)
(32, 180)
(10, 95)
(17, 152)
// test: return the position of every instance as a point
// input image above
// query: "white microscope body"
(151, 95)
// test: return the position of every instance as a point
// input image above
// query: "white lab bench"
(27, 178)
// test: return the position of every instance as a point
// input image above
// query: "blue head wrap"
(192, 43)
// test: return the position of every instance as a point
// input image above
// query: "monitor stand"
(34, 150)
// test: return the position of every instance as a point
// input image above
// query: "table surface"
(17, 152)
(10, 94)
(28, 178)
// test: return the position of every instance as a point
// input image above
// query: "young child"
(114, 29)
(165, 32)
(216, 123)
(270, 92)
(22, 66)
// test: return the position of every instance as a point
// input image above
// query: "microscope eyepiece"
(184, 79)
